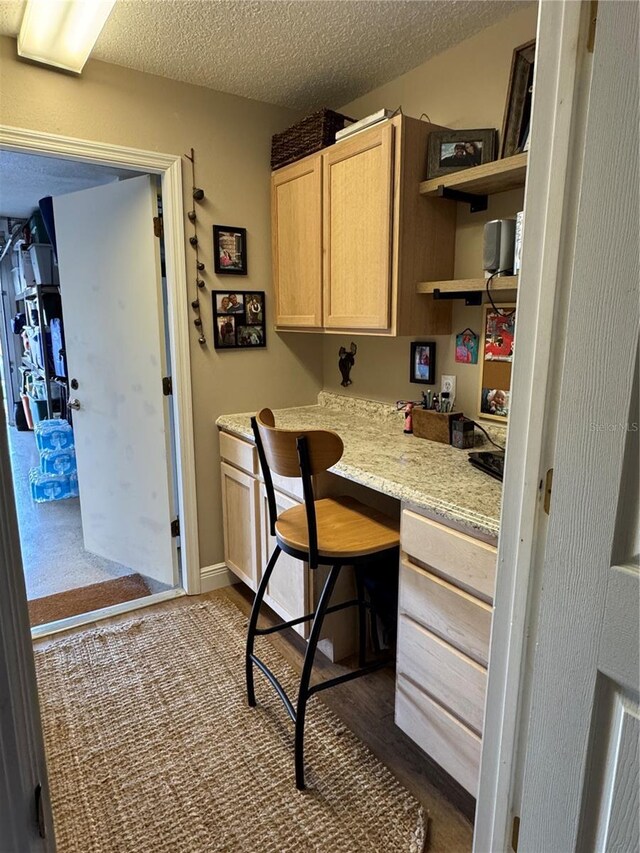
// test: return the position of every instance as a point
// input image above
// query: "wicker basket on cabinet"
(313, 133)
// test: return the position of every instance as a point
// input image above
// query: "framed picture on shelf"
(238, 319)
(229, 250)
(453, 150)
(517, 113)
(423, 362)
(497, 355)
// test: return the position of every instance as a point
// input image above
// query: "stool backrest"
(281, 447)
(294, 453)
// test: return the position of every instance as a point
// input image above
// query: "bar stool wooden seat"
(334, 532)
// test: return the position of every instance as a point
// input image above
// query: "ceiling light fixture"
(62, 33)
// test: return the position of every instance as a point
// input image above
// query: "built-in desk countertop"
(377, 454)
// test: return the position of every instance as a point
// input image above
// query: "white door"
(112, 304)
(580, 785)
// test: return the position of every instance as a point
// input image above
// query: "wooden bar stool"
(332, 532)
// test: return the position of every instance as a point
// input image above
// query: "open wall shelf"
(465, 285)
(496, 177)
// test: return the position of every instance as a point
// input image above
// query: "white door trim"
(554, 173)
(169, 167)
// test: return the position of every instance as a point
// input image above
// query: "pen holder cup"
(435, 426)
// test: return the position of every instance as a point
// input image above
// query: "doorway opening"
(83, 339)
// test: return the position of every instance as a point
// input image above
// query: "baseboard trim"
(215, 577)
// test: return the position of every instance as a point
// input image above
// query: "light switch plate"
(448, 385)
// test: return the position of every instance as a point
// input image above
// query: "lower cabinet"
(240, 514)
(444, 626)
(288, 592)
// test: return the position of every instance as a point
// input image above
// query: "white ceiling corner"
(301, 54)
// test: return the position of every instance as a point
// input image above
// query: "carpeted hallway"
(63, 578)
(53, 552)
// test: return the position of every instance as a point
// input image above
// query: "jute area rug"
(151, 747)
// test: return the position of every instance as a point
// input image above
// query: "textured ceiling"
(301, 54)
(26, 178)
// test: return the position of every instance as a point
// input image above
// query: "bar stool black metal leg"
(253, 623)
(305, 678)
(362, 617)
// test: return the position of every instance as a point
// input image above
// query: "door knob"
(74, 403)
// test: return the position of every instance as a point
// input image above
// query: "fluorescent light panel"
(62, 33)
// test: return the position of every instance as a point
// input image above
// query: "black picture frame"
(239, 319)
(517, 111)
(448, 146)
(230, 250)
(422, 366)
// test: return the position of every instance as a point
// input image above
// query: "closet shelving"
(42, 370)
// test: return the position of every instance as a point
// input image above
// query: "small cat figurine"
(346, 361)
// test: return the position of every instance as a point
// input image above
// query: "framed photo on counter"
(497, 344)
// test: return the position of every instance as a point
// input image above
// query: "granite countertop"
(426, 474)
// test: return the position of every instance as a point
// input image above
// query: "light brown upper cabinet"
(296, 214)
(352, 237)
(357, 222)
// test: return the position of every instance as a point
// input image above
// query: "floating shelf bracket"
(471, 297)
(477, 203)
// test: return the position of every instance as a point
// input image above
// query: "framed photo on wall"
(423, 362)
(453, 150)
(517, 112)
(238, 319)
(229, 250)
(498, 342)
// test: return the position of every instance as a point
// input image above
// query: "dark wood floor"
(366, 706)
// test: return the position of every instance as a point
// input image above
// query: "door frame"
(169, 168)
(554, 176)
(22, 758)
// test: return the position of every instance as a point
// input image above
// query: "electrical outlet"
(448, 385)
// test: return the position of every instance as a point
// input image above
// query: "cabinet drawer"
(466, 561)
(457, 617)
(240, 453)
(450, 743)
(454, 680)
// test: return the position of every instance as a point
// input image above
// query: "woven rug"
(151, 747)
(84, 599)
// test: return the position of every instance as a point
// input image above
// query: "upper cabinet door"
(296, 209)
(358, 198)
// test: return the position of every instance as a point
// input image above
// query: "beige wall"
(231, 137)
(464, 87)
